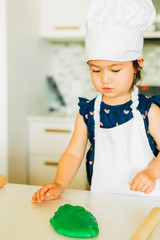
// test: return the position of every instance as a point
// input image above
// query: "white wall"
(3, 91)
(28, 64)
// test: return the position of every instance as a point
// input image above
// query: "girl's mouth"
(108, 90)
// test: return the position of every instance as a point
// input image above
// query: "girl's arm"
(145, 181)
(74, 154)
(68, 164)
(154, 129)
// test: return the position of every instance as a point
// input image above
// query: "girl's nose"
(106, 78)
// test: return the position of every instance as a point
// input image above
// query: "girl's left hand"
(144, 181)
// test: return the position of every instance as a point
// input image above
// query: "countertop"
(118, 216)
(63, 112)
(47, 117)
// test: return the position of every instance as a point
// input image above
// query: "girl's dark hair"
(137, 75)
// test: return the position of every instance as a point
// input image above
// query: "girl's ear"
(140, 61)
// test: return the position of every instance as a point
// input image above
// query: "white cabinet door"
(47, 141)
(63, 19)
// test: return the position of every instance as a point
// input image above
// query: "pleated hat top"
(115, 29)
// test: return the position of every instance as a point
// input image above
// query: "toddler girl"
(122, 125)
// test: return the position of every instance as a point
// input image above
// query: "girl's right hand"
(48, 192)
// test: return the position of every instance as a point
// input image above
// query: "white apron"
(121, 152)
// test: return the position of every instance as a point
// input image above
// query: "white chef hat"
(115, 29)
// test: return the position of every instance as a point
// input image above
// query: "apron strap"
(97, 105)
(135, 102)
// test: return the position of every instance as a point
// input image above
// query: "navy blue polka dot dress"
(111, 116)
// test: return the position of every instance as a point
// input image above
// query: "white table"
(118, 216)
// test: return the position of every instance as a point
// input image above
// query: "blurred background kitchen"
(42, 73)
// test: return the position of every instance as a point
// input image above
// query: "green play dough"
(74, 221)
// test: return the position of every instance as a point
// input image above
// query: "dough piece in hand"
(2, 180)
(74, 221)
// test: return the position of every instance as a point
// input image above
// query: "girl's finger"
(45, 189)
(39, 197)
(140, 186)
(144, 188)
(134, 185)
(149, 190)
(34, 198)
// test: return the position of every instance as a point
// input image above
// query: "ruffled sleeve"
(86, 108)
(156, 99)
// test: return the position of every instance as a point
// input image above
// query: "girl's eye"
(116, 70)
(96, 71)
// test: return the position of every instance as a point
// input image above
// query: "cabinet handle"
(57, 130)
(47, 163)
(67, 28)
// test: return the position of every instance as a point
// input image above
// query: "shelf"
(150, 84)
(152, 35)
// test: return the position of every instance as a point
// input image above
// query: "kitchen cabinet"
(48, 137)
(65, 20)
(61, 20)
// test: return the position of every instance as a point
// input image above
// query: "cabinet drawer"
(42, 170)
(67, 22)
(48, 138)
